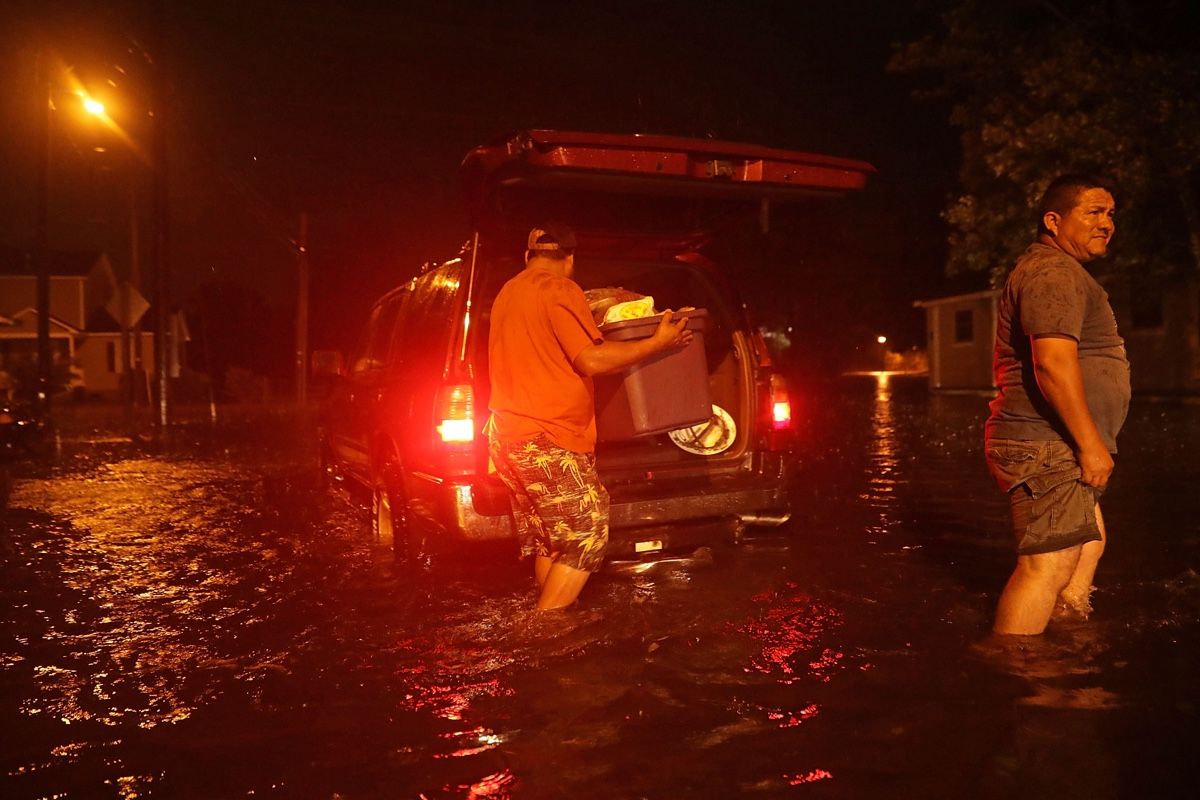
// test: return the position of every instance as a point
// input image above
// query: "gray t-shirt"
(1049, 292)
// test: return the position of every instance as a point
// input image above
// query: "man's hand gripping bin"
(666, 391)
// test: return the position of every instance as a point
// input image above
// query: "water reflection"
(884, 476)
(496, 786)
(792, 629)
(178, 632)
(812, 776)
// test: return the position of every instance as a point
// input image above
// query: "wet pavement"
(198, 621)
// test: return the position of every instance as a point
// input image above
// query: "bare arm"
(1056, 366)
(599, 359)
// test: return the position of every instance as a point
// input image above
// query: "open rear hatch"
(633, 164)
(643, 207)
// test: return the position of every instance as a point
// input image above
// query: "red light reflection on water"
(451, 702)
(483, 739)
(790, 719)
(782, 717)
(791, 628)
(812, 776)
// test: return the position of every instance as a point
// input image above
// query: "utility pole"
(302, 313)
(126, 288)
(41, 235)
(133, 364)
(162, 270)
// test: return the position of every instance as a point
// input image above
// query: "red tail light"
(455, 411)
(781, 404)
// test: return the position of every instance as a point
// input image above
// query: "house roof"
(19, 317)
(15, 261)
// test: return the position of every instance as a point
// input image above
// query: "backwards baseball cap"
(551, 237)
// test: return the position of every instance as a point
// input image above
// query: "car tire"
(390, 521)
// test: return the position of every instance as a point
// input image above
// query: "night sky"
(359, 114)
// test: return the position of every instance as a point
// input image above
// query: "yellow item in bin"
(631, 309)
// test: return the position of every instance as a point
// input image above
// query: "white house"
(82, 333)
(1159, 320)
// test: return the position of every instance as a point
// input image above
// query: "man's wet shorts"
(559, 506)
(1051, 508)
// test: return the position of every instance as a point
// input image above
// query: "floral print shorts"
(558, 503)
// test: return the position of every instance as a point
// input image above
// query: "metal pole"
(134, 363)
(302, 314)
(125, 365)
(140, 381)
(41, 240)
(162, 271)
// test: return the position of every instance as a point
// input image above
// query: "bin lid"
(644, 326)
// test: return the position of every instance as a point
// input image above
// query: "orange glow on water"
(496, 786)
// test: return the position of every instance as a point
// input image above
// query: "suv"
(405, 417)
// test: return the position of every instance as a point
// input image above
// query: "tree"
(1041, 87)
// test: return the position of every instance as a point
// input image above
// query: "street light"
(93, 106)
(51, 73)
(156, 159)
(41, 241)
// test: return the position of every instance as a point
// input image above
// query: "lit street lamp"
(49, 77)
(41, 244)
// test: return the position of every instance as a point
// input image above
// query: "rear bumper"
(479, 510)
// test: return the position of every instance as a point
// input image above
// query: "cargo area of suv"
(406, 419)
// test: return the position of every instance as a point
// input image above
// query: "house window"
(112, 356)
(964, 325)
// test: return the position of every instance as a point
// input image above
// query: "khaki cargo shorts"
(559, 505)
(1051, 508)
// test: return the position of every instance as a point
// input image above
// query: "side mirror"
(327, 364)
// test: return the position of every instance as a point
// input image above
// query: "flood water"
(198, 622)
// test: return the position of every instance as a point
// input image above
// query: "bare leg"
(1028, 599)
(1076, 596)
(541, 568)
(563, 584)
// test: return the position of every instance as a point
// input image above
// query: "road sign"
(127, 305)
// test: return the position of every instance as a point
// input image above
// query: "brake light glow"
(781, 406)
(781, 411)
(456, 410)
(457, 430)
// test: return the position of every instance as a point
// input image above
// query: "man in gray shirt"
(1064, 392)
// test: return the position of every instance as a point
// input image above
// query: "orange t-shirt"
(540, 322)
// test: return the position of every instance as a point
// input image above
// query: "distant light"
(99, 149)
(881, 339)
(93, 106)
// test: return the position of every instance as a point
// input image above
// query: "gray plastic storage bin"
(665, 392)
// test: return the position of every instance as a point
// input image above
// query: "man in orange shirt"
(543, 350)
